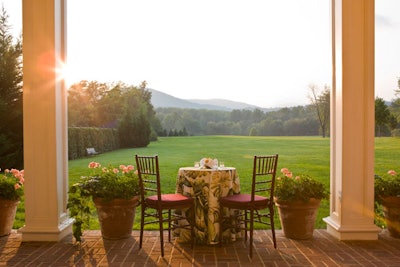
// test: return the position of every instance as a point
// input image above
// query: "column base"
(41, 234)
(352, 232)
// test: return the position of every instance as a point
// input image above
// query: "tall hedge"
(101, 139)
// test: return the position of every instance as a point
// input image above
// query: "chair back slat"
(149, 176)
(264, 172)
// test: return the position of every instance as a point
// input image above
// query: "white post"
(352, 121)
(45, 121)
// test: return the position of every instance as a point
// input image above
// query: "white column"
(45, 121)
(352, 121)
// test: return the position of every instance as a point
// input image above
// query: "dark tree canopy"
(11, 125)
(127, 108)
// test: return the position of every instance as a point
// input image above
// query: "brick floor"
(321, 250)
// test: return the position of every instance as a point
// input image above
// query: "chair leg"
(251, 232)
(272, 211)
(245, 225)
(160, 222)
(141, 227)
(169, 225)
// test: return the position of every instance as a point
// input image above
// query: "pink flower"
(17, 186)
(19, 175)
(14, 172)
(392, 172)
(126, 169)
(284, 170)
(115, 170)
(93, 165)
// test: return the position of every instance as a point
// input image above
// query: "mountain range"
(163, 100)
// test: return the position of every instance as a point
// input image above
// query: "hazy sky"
(262, 52)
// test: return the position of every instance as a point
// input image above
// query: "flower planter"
(298, 218)
(8, 209)
(116, 217)
(391, 210)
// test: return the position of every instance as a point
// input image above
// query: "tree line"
(298, 120)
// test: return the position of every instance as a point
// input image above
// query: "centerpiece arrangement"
(387, 197)
(115, 193)
(208, 163)
(11, 191)
(298, 199)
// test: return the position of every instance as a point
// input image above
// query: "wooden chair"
(155, 204)
(258, 206)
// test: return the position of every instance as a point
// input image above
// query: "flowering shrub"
(103, 182)
(301, 187)
(12, 184)
(109, 182)
(387, 185)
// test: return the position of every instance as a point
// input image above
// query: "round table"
(206, 186)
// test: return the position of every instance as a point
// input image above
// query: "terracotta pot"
(298, 217)
(116, 217)
(391, 210)
(8, 209)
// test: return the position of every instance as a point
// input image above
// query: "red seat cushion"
(243, 201)
(170, 201)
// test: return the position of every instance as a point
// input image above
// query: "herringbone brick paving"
(321, 250)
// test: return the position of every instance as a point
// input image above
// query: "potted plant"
(11, 192)
(387, 196)
(298, 199)
(115, 194)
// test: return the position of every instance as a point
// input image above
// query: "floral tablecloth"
(206, 186)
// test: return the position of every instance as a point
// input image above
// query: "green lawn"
(300, 154)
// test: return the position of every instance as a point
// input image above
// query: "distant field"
(300, 154)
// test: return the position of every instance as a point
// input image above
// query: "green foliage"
(79, 206)
(394, 119)
(80, 138)
(12, 184)
(294, 121)
(382, 116)
(92, 98)
(387, 185)
(127, 108)
(301, 187)
(396, 133)
(134, 128)
(108, 183)
(11, 131)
